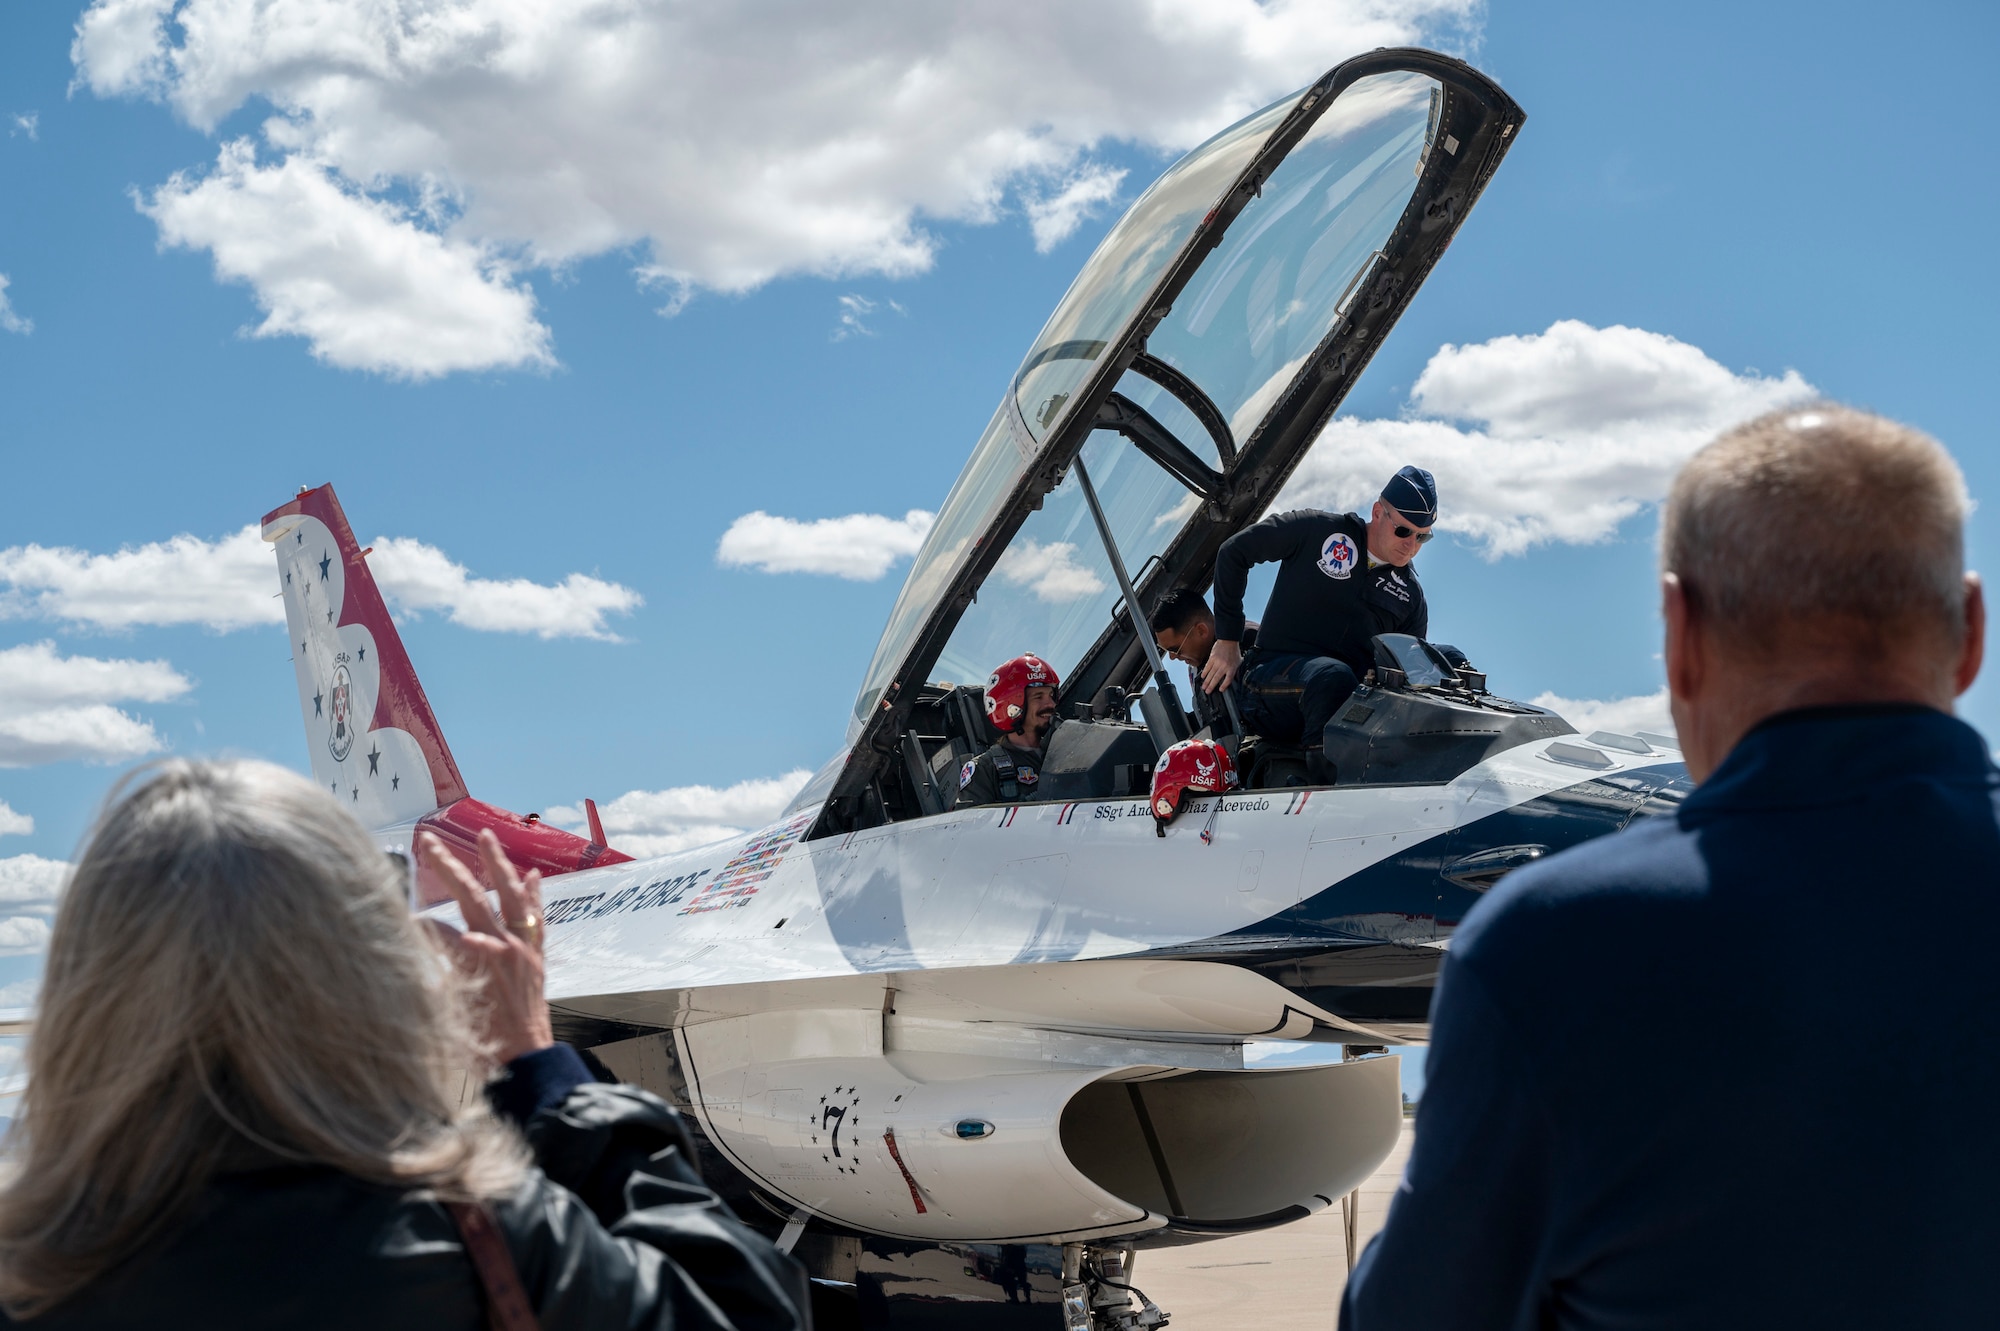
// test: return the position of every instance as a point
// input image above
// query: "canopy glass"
(1272, 290)
(1241, 330)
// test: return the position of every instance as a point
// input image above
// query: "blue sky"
(1752, 189)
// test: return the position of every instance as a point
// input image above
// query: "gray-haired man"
(1737, 1066)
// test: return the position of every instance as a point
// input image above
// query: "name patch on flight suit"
(1394, 599)
(1338, 555)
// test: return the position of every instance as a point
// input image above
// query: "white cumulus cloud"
(1552, 436)
(23, 935)
(232, 583)
(356, 276)
(1054, 217)
(860, 547)
(224, 584)
(1626, 716)
(417, 577)
(719, 145)
(31, 880)
(26, 122)
(13, 823)
(10, 320)
(660, 822)
(30, 886)
(56, 708)
(1049, 571)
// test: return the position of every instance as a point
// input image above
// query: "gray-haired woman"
(243, 1105)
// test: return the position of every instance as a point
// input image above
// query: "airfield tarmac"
(1285, 1279)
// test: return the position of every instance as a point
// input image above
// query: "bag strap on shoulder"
(507, 1306)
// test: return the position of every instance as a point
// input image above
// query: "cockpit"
(1180, 381)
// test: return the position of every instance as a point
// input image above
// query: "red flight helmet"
(1199, 765)
(1007, 691)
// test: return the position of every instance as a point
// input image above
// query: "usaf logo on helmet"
(1338, 556)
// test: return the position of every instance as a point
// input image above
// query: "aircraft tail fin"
(375, 743)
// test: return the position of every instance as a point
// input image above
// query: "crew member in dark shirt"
(1736, 1067)
(1340, 582)
(1184, 629)
(1021, 705)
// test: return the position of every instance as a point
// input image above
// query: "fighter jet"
(972, 1059)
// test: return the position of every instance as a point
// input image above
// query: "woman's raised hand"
(503, 952)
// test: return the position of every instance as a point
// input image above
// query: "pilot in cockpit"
(1021, 705)
(1341, 580)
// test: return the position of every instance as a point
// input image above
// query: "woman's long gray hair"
(234, 975)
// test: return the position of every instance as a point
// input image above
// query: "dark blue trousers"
(1290, 697)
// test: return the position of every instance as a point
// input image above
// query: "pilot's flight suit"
(1329, 600)
(1004, 774)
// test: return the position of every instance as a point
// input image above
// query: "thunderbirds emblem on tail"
(341, 742)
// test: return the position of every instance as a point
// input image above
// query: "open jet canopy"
(1193, 361)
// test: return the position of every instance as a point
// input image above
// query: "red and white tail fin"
(374, 741)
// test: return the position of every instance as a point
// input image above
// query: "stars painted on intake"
(361, 653)
(325, 561)
(395, 782)
(329, 614)
(832, 1117)
(374, 757)
(288, 577)
(317, 698)
(302, 538)
(357, 794)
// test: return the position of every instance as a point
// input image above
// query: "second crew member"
(1184, 629)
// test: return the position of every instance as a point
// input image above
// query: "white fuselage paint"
(989, 964)
(999, 885)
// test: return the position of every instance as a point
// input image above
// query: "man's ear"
(1683, 639)
(1971, 652)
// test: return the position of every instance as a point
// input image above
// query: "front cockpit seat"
(967, 735)
(1268, 765)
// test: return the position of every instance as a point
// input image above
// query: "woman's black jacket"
(614, 1230)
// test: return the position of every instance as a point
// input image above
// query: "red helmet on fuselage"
(1199, 765)
(1007, 690)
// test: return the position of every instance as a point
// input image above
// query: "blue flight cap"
(1413, 492)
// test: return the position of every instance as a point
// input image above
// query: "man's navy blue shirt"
(1736, 1067)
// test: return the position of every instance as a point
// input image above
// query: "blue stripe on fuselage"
(1365, 947)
